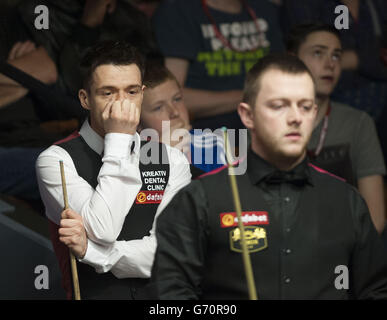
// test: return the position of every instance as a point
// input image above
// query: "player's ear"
(246, 114)
(84, 99)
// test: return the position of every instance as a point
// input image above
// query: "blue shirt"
(207, 150)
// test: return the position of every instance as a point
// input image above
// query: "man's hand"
(94, 12)
(20, 49)
(34, 61)
(72, 233)
(121, 116)
(31, 60)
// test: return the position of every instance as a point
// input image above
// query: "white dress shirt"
(104, 208)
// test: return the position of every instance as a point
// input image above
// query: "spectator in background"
(75, 25)
(163, 102)
(344, 140)
(19, 120)
(363, 84)
(209, 45)
(25, 68)
(34, 61)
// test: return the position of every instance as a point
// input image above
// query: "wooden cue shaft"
(245, 253)
(73, 262)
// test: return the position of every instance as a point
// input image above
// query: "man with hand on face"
(301, 223)
(344, 141)
(111, 183)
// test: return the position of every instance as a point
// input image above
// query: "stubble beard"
(278, 155)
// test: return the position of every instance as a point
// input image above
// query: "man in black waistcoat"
(309, 234)
(117, 183)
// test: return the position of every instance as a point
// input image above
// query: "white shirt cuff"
(118, 144)
(97, 256)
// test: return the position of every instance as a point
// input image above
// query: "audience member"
(75, 25)
(344, 140)
(363, 84)
(26, 73)
(209, 45)
(163, 105)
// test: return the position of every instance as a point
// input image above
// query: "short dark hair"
(286, 63)
(118, 53)
(298, 34)
(156, 73)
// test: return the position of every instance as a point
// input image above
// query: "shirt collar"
(92, 138)
(258, 168)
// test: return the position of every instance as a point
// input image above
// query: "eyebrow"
(114, 88)
(319, 46)
(162, 101)
(177, 94)
(288, 100)
(157, 102)
(306, 100)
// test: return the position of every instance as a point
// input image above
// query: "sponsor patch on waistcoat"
(149, 197)
(256, 239)
(230, 219)
(154, 183)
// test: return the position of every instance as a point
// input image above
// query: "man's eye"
(134, 91)
(317, 53)
(107, 93)
(307, 108)
(157, 108)
(277, 106)
(177, 99)
(336, 57)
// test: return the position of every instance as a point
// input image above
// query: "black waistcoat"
(137, 223)
(320, 238)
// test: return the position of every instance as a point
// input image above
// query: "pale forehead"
(163, 91)
(321, 38)
(276, 84)
(116, 75)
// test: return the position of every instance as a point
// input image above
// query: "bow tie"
(278, 177)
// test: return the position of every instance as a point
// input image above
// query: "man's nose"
(329, 63)
(294, 115)
(173, 110)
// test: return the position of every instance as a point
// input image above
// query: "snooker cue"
(245, 253)
(73, 263)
